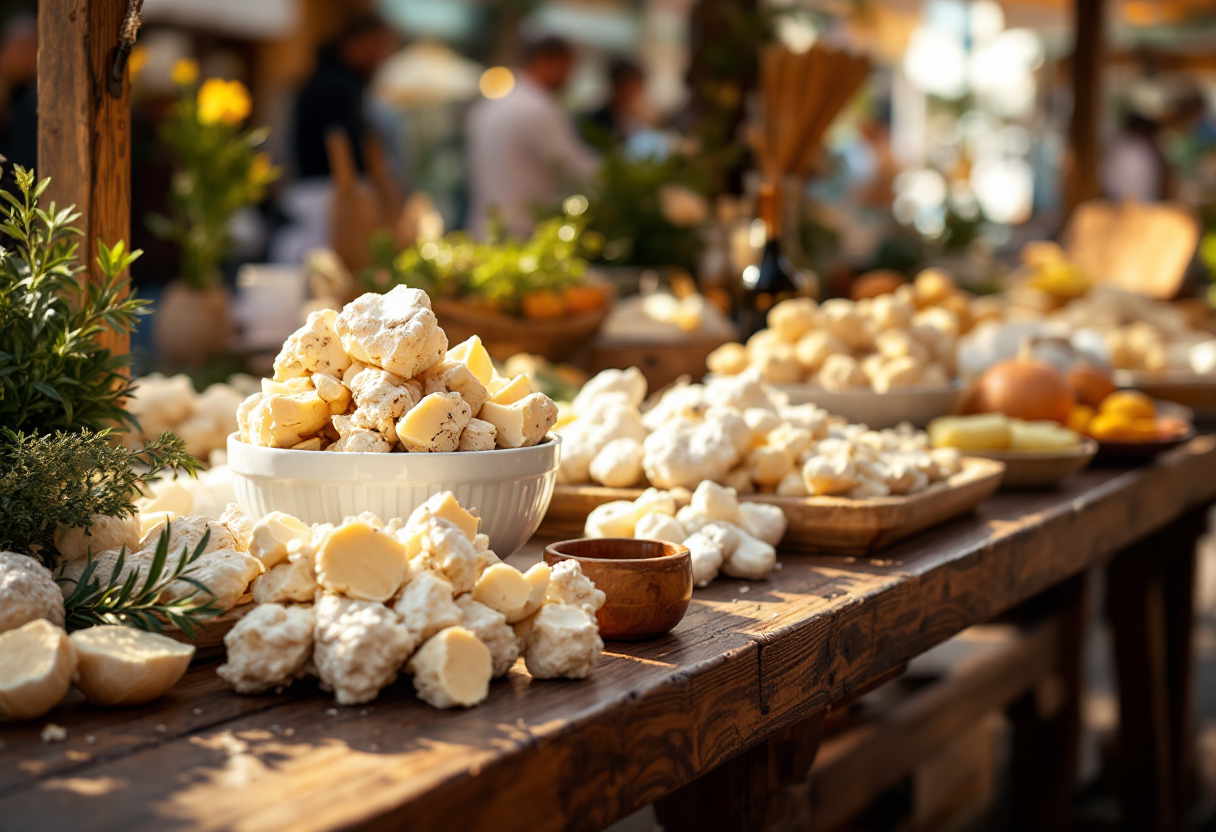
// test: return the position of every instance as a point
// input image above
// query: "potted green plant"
(219, 170)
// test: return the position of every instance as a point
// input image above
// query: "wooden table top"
(748, 660)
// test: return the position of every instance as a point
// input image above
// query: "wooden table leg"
(1150, 606)
(734, 797)
(1046, 721)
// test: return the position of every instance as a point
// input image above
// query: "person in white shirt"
(522, 149)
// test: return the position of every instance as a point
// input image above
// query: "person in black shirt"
(334, 96)
(621, 114)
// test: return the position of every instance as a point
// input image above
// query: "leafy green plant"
(219, 170)
(54, 372)
(123, 599)
(495, 275)
(63, 479)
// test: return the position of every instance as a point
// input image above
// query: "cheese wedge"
(444, 506)
(509, 392)
(36, 666)
(358, 561)
(124, 666)
(523, 423)
(475, 356)
(434, 424)
(504, 588)
(272, 535)
(538, 578)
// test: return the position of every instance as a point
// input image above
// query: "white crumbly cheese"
(292, 580)
(472, 353)
(568, 585)
(103, 533)
(618, 464)
(435, 424)
(630, 384)
(272, 534)
(396, 331)
(491, 628)
(763, 521)
(685, 453)
(659, 527)
(478, 435)
(523, 423)
(381, 398)
(333, 392)
(187, 533)
(706, 557)
(452, 669)
(313, 348)
(36, 666)
(444, 506)
(124, 666)
(503, 588)
(360, 561)
(361, 441)
(613, 519)
(563, 643)
(226, 572)
(726, 535)
(239, 524)
(358, 646)
(449, 376)
(268, 648)
(752, 559)
(425, 606)
(716, 502)
(28, 592)
(446, 550)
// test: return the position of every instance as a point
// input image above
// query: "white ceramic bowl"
(918, 405)
(510, 488)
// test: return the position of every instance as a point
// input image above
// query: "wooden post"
(1084, 144)
(84, 133)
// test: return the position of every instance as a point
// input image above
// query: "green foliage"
(626, 223)
(54, 374)
(65, 478)
(497, 273)
(219, 171)
(125, 600)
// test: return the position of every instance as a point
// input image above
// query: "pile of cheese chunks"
(378, 376)
(738, 432)
(357, 603)
(202, 420)
(884, 343)
(721, 533)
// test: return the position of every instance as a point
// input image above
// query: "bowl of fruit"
(1129, 424)
(532, 296)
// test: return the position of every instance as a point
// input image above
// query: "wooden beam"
(84, 133)
(1084, 140)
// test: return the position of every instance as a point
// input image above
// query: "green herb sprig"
(122, 600)
(54, 372)
(63, 479)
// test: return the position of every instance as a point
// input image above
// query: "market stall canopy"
(260, 20)
(427, 73)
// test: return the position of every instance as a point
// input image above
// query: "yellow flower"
(223, 101)
(138, 60)
(259, 169)
(185, 72)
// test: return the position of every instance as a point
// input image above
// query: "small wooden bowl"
(648, 583)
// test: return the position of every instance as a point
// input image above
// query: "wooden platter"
(208, 640)
(819, 524)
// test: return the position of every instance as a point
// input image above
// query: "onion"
(1024, 388)
(1089, 384)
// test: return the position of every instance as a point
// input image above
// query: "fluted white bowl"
(510, 488)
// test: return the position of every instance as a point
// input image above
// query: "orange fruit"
(1080, 418)
(1112, 426)
(1090, 384)
(1130, 403)
(543, 305)
(583, 298)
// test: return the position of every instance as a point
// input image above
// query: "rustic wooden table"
(752, 669)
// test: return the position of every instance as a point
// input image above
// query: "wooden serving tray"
(819, 524)
(209, 638)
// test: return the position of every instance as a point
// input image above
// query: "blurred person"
(19, 93)
(1135, 167)
(521, 147)
(335, 97)
(623, 114)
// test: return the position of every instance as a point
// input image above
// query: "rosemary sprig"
(119, 601)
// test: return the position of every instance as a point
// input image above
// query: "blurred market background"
(594, 183)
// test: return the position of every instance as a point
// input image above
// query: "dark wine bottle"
(774, 278)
